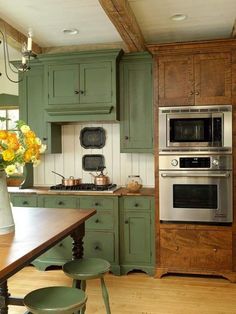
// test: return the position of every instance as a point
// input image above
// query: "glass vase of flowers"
(18, 146)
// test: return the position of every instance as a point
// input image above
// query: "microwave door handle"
(182, 175)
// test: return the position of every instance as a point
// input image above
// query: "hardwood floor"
(138, 293)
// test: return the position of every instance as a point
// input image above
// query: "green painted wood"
(61, 300)
(101, 220)
(58, 201)
(137, 234)
(9, 101)
(31, 100)
(96, 83)
(63, 84)
(20, 200)
(100, 244)
(136, 103)
(97, 202)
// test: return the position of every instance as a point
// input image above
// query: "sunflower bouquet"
(18, 147)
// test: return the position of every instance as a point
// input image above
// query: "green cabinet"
(101, 231)
(81, 86)
(21, 200)
(136, 108)
(137, 234)
(31, 104)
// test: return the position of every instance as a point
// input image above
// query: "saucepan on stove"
(71, 181)
(101, 179)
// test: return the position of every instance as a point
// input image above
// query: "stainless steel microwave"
(195, 128)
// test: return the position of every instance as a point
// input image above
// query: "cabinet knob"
(25, 203)
(126, 137)
(215, 250)
(45, 138)
(81, 92)
(96, 204)
(177, 248)
(192, 92)
(76, 92)
(126, 221)
(136, 205)
(97, 221)
(60, 203)
(197, 93)
(97, 248)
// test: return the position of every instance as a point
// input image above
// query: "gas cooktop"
(85, 187)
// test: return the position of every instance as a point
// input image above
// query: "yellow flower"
(38, 141)
(12, 141)
(11, 169)
(28, 155)
(3, 134)
(42, 148)
(25, 128)
(8, 155)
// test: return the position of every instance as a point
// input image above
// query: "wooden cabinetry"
(195, 249)
(137, 234)
(81, 86)
(196, 79)
(136, 103)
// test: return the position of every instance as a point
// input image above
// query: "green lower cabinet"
(21, 200)
(137, 234)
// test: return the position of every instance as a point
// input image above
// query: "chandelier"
(26, 55)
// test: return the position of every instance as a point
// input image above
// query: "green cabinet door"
(63, 84)
(31, 102)
(136, 103)
(96, 83)
(137, 234)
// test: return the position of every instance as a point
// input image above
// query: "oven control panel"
(214, 162)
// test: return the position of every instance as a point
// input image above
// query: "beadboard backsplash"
(69, 163)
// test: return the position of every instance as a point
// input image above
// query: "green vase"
(6, 218)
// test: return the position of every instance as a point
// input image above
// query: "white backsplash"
(69, 163)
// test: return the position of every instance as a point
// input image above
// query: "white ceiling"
(207, 19)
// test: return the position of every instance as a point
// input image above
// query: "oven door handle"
(205, 175)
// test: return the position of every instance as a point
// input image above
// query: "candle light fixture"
(26, 52)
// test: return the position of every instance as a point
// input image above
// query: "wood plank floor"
(138, 293)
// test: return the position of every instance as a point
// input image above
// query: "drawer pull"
(126, 221)
(96, 204)
(136, 205)
(25, 203)
(215, 250)
(60, 203)
(177, 248)
(97, 248)
(60, 245)
(97, 221)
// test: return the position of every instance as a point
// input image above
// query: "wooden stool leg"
(105, 296)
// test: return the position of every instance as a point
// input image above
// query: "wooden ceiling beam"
(122, 17)
(15, 38)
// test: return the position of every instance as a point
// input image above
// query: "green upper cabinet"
(81, 86)
(31, 105)
(136, 108)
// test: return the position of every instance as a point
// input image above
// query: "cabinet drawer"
(61, 251)
(59, 201)
(97, 203)
(137, 203)
(102, 220)
(99, 244)
(25, 201)
(196, 249)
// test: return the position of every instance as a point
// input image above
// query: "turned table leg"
(4, 297)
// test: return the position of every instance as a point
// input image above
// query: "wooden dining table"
(37, 230)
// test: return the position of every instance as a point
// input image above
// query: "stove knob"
(174, 162)
(215, 162)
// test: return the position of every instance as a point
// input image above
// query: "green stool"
(89, 268)
(55, 300)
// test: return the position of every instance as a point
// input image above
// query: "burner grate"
(83, 187)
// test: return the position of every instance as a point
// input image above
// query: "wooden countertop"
(45, 190)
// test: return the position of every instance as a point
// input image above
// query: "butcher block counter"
(121, 231)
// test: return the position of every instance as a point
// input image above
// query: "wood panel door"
(176, 85)
(196, 250)
(212, 78)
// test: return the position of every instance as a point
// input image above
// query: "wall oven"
(196, 188)
(202, 129)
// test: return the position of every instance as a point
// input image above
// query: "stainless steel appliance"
(196, 189)
(86, 187)
(201, 129)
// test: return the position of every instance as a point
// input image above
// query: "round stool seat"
(86, 268)
(55, 300)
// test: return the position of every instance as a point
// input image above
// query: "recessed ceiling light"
(72, 31)
(178, 17)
